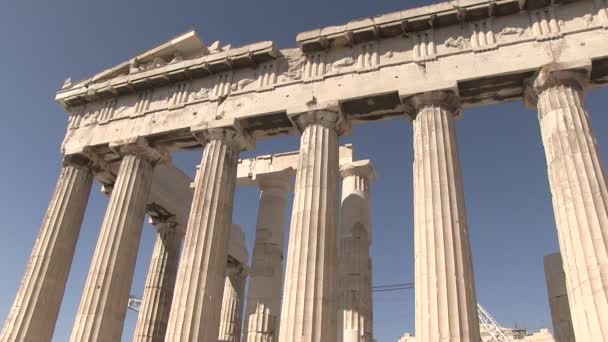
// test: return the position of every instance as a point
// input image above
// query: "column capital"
(448, 98)
(228, 130)
(325, 118)
(78, 160)
(325, 114)
(90, 160)
(161, 219)
(574, 74)
(235, 267)
(362, 168)
(164, 224)
(107, 188)
(139, 146)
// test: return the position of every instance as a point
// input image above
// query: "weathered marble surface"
(103, 305)
(446, 299)
(177, 95)
(558, 298)
(579, 192)
(196, 308)
(309, 308)
(266, 275)
(487, 49)
(36, 306)
(233, 301)
(355, 311)
(160, 282)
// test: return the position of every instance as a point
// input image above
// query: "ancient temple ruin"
(427, 64)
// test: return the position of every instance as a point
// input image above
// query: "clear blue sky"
(507, 195)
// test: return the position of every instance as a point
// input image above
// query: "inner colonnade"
(426, 64)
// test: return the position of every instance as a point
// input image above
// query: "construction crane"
(491, 327)
(487, 323)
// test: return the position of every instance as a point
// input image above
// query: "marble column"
(232, 303)
(266, 275)
(158, 292)
(355, 297)
(36, 306)
(309, 309)
(580, 197)
(558, 298)
(103, 305)
(195, 310)
(446, 301)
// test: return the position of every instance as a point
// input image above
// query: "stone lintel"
(275, 180)
(441, 93)
(250, 171)
(363, 168)
(170, 195)
(140, 147)
(227, 129)
(574, 73)
(171, 191)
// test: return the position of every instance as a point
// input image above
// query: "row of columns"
(445, 291)
(158, 292)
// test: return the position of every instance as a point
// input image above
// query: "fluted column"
(232, 304)
(558, 298)
(266, 275)
(158, 292)
(36, 306)
(309, 308)
(446, 301)
(103, 305)
(580, 197)
(195, 310)
(354, 315)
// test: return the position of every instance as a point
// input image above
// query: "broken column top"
(363, 168)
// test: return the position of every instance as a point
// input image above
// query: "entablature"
(410, 21)
(486, 60)
(140, 74)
